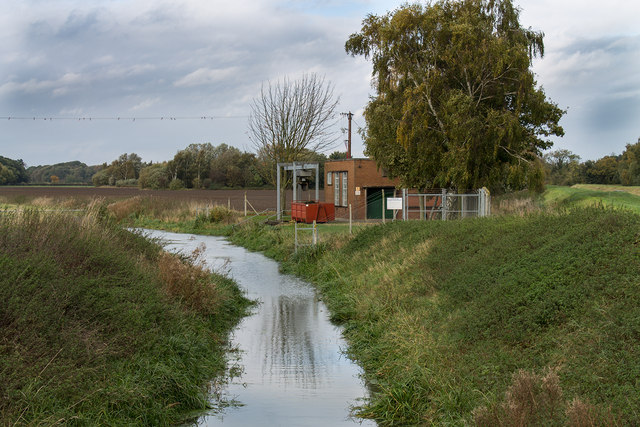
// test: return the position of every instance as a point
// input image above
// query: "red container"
(308, 212)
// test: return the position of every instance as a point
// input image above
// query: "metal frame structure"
(296, 166)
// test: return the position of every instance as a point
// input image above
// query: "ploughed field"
(259, 199)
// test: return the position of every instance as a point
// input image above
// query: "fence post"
(350, 218)
(315, 233)
(384, 217)
(279, 214)
(295, 183)
(405, 203)
(318, 183)
(444, 204)
(295, 233)
(485, 205)
(463, 207)
(245, 203)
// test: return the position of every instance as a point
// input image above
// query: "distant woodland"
(217, 167)
(68, 173)
(202, 166)
(563, 167)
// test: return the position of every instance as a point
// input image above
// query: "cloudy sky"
(186, 59)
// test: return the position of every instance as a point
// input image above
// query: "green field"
(590, 195)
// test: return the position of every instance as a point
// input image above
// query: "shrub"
(100, 178)
(154, 176)
(176, 184)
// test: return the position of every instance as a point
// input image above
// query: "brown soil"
(259, 199)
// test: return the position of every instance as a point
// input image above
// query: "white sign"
(394, 203)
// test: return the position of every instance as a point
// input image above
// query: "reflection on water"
(293, 370)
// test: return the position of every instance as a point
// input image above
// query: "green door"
(374, 203)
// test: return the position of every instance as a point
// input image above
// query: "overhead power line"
(122, 118)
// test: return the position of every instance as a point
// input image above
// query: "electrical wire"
(118, 118)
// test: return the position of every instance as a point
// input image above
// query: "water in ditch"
(293, 370)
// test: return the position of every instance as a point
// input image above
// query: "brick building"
(360, 183)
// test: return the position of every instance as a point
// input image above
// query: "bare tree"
(289, 119)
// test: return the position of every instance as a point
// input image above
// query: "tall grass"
(94, 332)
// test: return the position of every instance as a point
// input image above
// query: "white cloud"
(205, 76)
(209, 57)
(145, 104)
(56, 87)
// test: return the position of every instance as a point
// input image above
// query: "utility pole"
(349, 116)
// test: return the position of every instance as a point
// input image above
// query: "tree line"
(216, 167)
(563, 167)
(12, 171)
(199, 166)
(69, 173)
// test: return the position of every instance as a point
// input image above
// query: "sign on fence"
(394, 203)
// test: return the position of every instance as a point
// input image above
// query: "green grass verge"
(95, 332)
(584, 195)
(447, 318)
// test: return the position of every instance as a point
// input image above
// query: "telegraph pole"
(349, 116)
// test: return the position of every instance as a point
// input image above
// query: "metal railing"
(445, 205)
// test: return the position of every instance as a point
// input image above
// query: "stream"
(293, 370)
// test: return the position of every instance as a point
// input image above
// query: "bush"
(154, 176)
(176, 184)
(100, 178)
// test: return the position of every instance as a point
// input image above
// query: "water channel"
(293, 370)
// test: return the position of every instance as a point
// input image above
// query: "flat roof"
(349, 160)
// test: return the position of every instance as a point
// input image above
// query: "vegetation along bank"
(98, 326)
(525, 319)
(511, 320)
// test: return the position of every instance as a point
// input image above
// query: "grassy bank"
(520, 320)
(589, 195)
(559, 197)
(98, 326)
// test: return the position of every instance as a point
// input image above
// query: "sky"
(86, 64)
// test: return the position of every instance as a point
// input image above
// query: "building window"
(336, 190)
(344, 189)
(329, 174)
